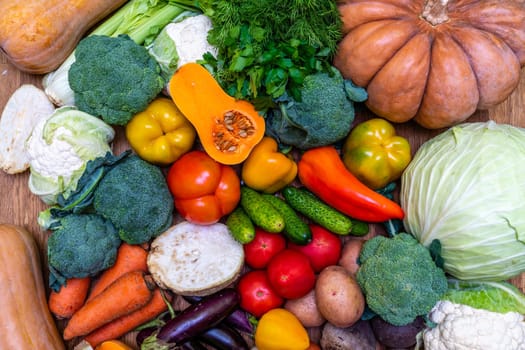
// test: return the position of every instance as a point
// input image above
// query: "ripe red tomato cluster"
(282, 270)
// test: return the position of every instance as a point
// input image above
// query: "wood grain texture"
(20, 207)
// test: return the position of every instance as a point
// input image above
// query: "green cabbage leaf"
(466, 189)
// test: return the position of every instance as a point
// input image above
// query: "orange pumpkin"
(434, 61)
(228, 128)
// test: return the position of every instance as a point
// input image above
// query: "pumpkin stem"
(435, 12)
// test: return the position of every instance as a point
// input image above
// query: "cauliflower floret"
(190, 38)
(45, 157)
(461, 327)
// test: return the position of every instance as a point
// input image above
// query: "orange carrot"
(122, 325)
(129, 258)
(127, 294)
(70, 297)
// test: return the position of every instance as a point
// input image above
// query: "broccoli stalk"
(141, 20)
(399, 278)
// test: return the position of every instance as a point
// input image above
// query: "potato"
(338, 296)
(350, 255)
(305, 309)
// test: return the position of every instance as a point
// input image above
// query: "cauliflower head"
(461, 327)
(59, 148)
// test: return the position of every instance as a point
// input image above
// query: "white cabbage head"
(466, 188)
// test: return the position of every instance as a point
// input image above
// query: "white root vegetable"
(24, 109)
(195, 260)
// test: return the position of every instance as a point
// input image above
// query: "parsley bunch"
(268, 47)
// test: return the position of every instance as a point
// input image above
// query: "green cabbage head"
(466, 188)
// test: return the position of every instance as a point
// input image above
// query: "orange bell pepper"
(323, 172)
(266, 169)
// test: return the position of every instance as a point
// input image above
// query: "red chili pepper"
(322, 171)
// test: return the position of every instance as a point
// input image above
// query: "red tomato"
(262, 248)
(257, 295)
(324, 249)
(291, 274)
(203, 189)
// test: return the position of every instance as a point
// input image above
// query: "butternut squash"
(38, 35)
(26, 322)
(228, 128)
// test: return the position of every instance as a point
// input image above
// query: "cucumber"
(359, 228)
(240, 226)
(260, 211)
(316, 210)
(295, 229)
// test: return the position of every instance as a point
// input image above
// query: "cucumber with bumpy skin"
(316, 210)
(260, 211)
(295, 229)
(240, 226)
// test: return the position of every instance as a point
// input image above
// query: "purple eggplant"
(238, 319)
(222, 337)
(194, 320)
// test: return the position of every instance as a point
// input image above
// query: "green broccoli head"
(114, 78)
(399, 278)
(81, 245)
(135, 197)
(323, 116)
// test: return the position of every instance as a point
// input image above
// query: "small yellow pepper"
(113, 345)
(160, 134)
(375, 154)
(279, 329)
(266, 169)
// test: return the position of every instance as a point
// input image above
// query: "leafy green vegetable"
(465, 189)
(134, 196)
(269, 47)
(81, 245)
(323, 115)
(81, 198)
(500, 297)
(399, 279)
(114, 78)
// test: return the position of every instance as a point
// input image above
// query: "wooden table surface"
(19, 206)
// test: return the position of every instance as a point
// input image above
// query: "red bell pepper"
(203, 190)
(322, 171)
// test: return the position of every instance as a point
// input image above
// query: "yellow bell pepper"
(113, 345)
(160, 134)
(266, 169)
(375, 154)
(279, 329)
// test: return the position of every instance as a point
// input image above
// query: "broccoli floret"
(113, 78)
(135, 197)
(399, 278)
(81, 245)
(324, 114)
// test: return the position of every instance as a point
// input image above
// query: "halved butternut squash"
(228, 128)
